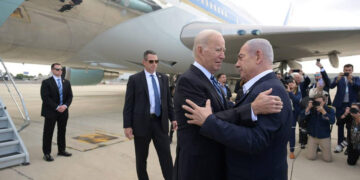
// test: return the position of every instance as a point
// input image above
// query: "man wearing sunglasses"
(56, 95)
(147, 111)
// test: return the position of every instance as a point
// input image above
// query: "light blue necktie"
(60, 90)
(157, 97)
(217, 87)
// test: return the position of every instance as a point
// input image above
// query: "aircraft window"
(222, 12)
(226, 14)
(207, 3)
(214, 7)
(202, 1)
(211, 5)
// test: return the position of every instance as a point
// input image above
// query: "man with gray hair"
(256, 152)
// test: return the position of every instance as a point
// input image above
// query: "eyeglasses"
(57, 69)
(153, 61)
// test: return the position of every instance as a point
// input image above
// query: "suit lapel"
(161, 85)
(144, 82)
(54, 84)
(213, 91)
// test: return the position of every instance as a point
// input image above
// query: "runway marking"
(94, 138)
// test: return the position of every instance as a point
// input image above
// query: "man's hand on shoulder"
(266, 103)
(197, 114)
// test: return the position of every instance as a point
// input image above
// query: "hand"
(174, 125)
(318, 64)
(310, 105)
(341, 74)
(61, 108)
(266, 103)
(129, 133)
(347, 111)
(198, 114)
(288, 88)
(321, 109)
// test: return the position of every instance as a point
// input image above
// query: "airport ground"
(96, 116)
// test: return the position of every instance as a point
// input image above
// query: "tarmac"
(100, 150)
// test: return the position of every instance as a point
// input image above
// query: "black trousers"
(353, 155)
(162, 145)
(49, 125)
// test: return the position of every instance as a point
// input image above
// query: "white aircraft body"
(99, 37)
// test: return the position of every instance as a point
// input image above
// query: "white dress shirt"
(250, 83)
(151, 90)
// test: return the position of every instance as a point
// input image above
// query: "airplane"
(99, 38)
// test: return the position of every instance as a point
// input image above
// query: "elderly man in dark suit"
(147, 111)
(257, 152)
(347, 88)
(56, 95)
(199, 157)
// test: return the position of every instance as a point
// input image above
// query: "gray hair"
(202, 39)
(263, 45)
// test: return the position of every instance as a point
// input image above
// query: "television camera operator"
(319, 117)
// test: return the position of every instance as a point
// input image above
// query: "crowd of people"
(218, 138)
(316, 114)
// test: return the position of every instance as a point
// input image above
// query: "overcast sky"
(273, 12)
(338, 13)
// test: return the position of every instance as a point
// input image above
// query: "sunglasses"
(153, 61)
(57, 69)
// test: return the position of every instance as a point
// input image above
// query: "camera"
(296, 70)
(346, 74)
(353, 111)
(315, 104)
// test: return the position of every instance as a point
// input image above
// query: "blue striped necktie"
(157, 97)
(217, 87)
(60, 90)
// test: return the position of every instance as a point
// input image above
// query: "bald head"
(263, 45)
(209, 50)
(203, 38)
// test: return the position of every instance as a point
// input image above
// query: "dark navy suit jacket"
(341, 88)
(198, 157)
(257, 152)
(136, 112)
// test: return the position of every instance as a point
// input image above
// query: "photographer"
(321, 79)
(351, 118)
(319, 117)
(295, 97)
(347, 88)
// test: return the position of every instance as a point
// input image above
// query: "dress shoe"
(302, 146)
(48, 157)
(64, 153)
(292, 155)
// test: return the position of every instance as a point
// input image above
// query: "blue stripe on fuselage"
(220, 10)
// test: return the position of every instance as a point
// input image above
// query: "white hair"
(202, 39)
(264, 46)
(294, 74)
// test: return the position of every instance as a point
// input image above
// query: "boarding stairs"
(12, 148)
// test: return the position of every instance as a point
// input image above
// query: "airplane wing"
(289, 43)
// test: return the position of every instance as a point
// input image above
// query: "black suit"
(258, 152)
(197, 157)
(145, 127)
(50, 101)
